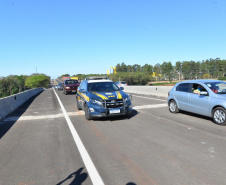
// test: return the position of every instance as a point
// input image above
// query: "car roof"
(98, 81)
(200, 81)
(97, 78)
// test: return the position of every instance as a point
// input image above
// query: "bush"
(37, 81)
(12, 84)
(131, 78)
(222, 78)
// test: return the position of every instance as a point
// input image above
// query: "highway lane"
(152, 146)
(36, 146)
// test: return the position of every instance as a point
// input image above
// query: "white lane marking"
(93, 173)
(25, 118)
(150, 106)
(149, 98)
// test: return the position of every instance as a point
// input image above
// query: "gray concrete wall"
(11, 103)
(161, 91)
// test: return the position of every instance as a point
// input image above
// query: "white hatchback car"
(121, 83)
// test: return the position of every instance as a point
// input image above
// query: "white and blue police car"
(101, 97)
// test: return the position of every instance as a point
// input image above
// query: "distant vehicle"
(101, 97)
(70, 86)
(60, 86)
(204, 97)
(74, 78)
(121, 83)
(56, 86)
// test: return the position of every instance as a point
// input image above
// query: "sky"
(57, 37)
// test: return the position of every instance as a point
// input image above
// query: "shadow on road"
(116, 118)
(197, 115)
(6, 125)
(78, 176)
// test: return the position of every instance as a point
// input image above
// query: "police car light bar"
(97, 78)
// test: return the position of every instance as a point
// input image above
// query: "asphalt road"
(153, 146)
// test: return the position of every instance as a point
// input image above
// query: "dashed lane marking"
(24, 118)
(149, 98)
(150, 106)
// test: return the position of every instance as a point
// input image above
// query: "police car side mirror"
(121, 88)
(82, 91)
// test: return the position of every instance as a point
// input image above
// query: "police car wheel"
(87, 114)
(78, 105)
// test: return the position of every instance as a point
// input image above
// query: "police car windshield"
(102, 87)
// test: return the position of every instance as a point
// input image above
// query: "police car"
(101, 97)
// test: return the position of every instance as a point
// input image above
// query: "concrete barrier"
(11, 103)
(161, 91)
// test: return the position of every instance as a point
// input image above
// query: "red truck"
(70, 86)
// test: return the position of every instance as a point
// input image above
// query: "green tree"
(167, 70)
(21, 82)
(178, 68)
(147, 69)
(186, 70)
(123, 67)
(118, 68)
(37, 81)
(65, 75)
(12, 85)
(157, 71)
(198, 72)
(222, 67)
(170, 71)
(136, 68)
(130, 68)
(4, 88)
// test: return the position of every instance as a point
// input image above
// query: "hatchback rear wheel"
(219, 116)
(173, 107)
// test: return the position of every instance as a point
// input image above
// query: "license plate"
(114, 111)
(74, 91)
